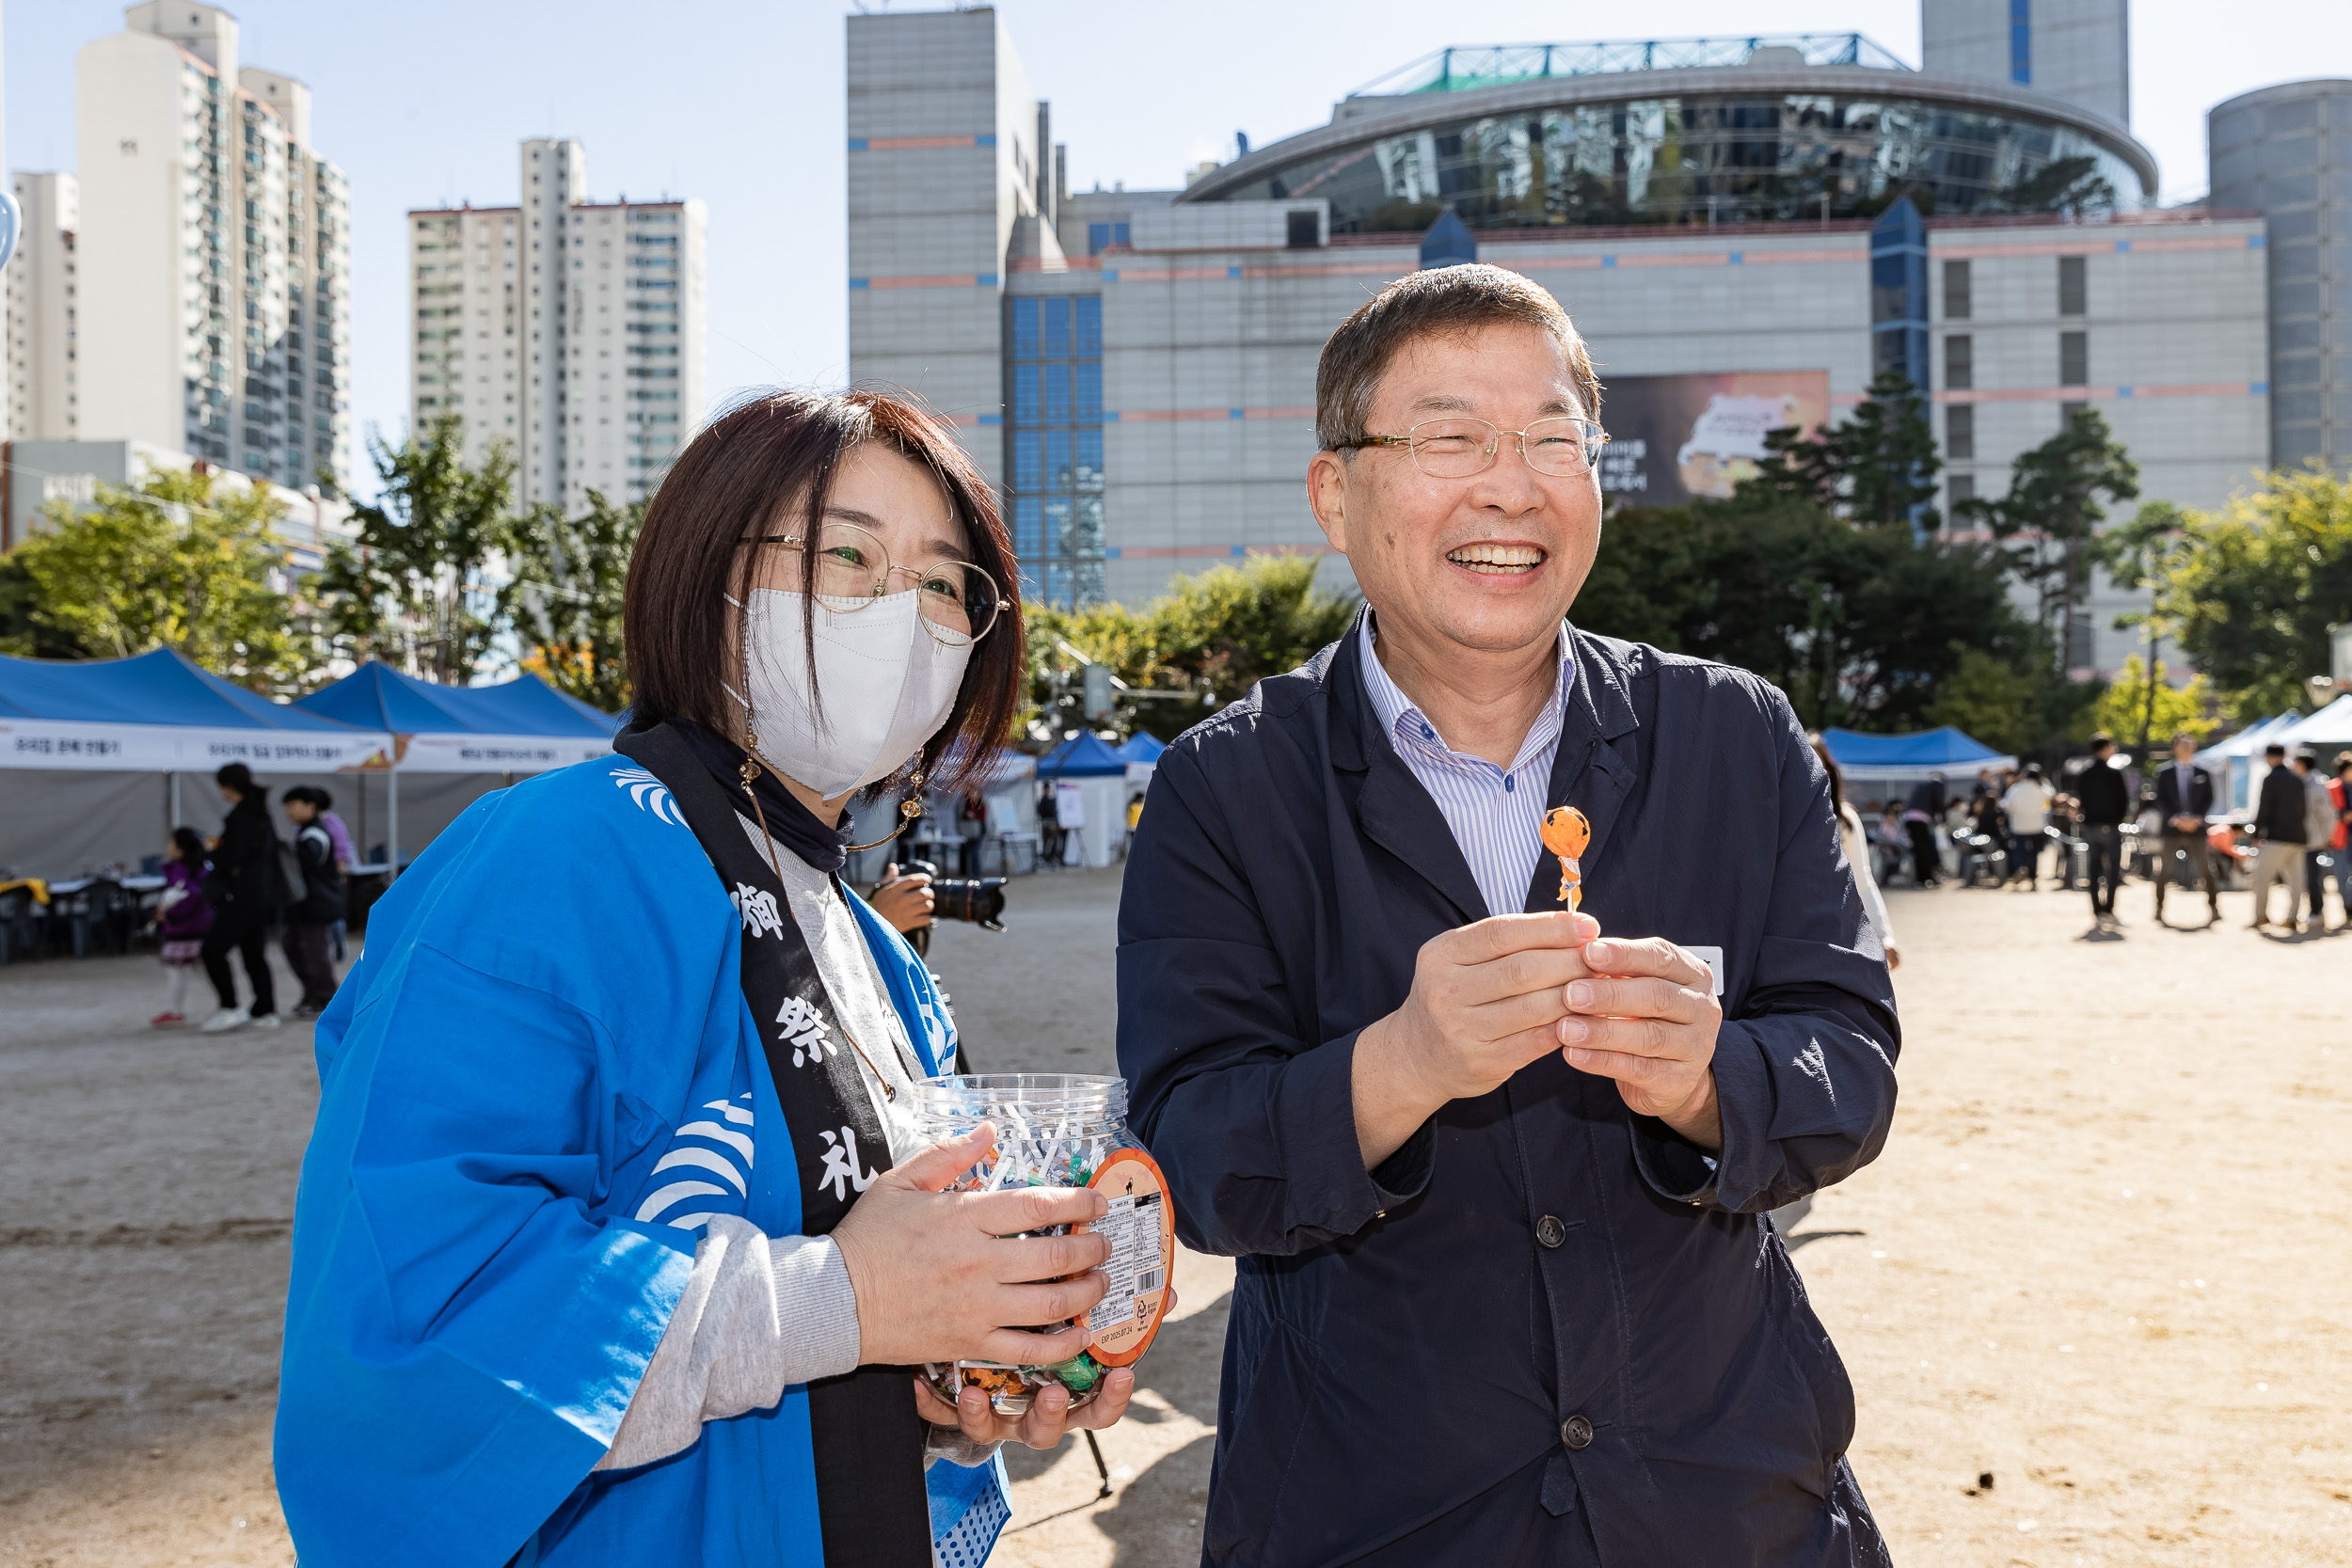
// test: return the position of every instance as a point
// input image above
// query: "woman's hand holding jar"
(954, 1275)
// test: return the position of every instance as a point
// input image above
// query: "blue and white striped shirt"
(1497, 815)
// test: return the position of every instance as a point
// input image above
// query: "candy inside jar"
(1064, 1130)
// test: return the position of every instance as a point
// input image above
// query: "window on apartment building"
(1960, 432)
(2074, 358)
(2072, 290)
(1103, 236)
(1960, 362)
(1956, 291)
(1961, 488)
(1305, 230)
(2067, 412)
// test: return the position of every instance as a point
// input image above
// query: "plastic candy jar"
(1064, 1130)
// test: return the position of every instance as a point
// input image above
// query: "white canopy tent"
(2329, 728)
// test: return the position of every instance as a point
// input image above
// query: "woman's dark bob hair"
(737, 479)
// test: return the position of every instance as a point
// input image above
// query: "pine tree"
(1875, 469)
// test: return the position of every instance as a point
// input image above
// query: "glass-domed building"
(1688, 133)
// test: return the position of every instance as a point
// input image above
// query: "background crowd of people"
(2106, 815)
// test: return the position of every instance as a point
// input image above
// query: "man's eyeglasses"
(958, 602)
(1463, 449)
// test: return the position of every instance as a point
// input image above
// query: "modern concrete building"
(1746, 231)
(214, 245)
(43, 304)
(2286, 152)
(2075, 50)
(41, 474)
(571, 331)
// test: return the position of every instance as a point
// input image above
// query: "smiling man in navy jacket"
(1496, 1173)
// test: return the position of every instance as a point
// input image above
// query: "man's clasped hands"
(1491, 997)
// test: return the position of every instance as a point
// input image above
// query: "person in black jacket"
(1496, 1170)
(1924, 809)
(2185, 800)
(2106, 801)
(244, 888)
(2280, 811)
(309, 921)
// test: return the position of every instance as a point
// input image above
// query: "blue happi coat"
(538, 1084)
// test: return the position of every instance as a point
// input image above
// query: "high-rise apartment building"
(569, 329)
(214, 244)
(43, 306)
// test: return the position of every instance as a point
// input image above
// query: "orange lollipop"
(1566, 834)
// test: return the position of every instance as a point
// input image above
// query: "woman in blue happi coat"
(616, 1242)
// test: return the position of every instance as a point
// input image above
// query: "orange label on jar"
(1141, 1227)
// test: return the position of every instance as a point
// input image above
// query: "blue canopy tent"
(157, 713)
(1089, 780)
(1082, 756)
(1887, 759)
(1142, 747)
(521, 726)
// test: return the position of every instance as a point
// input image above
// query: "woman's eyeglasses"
(956, 600)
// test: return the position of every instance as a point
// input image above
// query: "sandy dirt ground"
(2101, 1261)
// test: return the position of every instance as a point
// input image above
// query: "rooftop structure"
(1688, 132)
(1464, 68)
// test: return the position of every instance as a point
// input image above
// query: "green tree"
(413, 592)
(2049, 521)
(2154, 711)
(178, 562)
(1874, 468)
(1218, 632)
(22, 633)
(1861, 625)
(1995, 700)
(564, 596)
(2252, 589)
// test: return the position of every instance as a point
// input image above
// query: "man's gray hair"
(1439, 302)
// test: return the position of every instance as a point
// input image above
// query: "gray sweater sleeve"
(759, 1314)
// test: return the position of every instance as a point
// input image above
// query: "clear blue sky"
(740, 104)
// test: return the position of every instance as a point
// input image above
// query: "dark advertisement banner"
(1674, 436)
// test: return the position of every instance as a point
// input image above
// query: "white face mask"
(887, 685)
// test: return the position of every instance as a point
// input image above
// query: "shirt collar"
(1405, 723)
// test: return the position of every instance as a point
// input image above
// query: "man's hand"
(1486, 1000)
(2187, 824)
(1648, 1018)
(906, 902)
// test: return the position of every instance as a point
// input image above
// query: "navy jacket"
(1403, 1339)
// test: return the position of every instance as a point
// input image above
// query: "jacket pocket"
(1824, 1371)
(1257, 1443)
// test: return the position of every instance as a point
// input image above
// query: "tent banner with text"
(89, 746)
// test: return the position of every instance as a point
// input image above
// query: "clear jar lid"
(1030, 1103)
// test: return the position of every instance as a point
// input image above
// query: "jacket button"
(1576, 1431)
(1549, 1232)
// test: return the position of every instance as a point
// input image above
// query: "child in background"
(182, 918)
(304, 937)
(338, 837)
